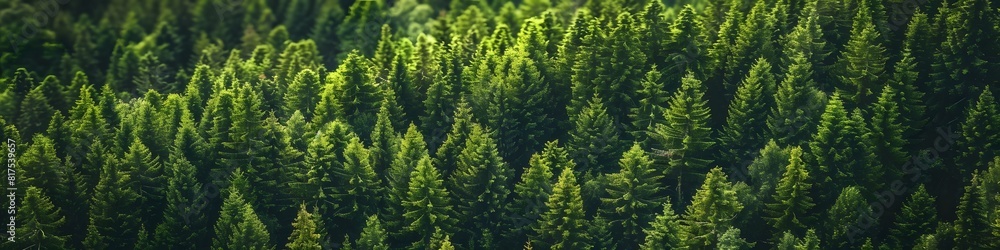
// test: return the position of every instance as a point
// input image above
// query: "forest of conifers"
(491, 124)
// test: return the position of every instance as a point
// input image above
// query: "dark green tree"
(594, 141)
(972, 227)
(711, 211)
(979, 142)
(652, 99)
(917, 217)
(238, 226)
(684, 144)
(745, 128)
(633, 196)
(480, 185)
(109, 225)
(848, 218)
(39, 222)
(183, 222)
(427, 205)
(862, 62)
(792, 202)
(302, 93)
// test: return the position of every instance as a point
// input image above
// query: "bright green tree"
(745, 128)
(480, 185)
(411, 149)
(305, 234)
(354, 89)
(847, 219)
(972, 227)
(594, 142)
(798, 104)
(111, 226)
(792, 203)
(664, 232)
(531, 193)
(302, 93)
(917, 217)
(563, 226)
(373, 236)
(652, 98)
(39, 222)
(979, 142)
(183, 222)
(862, 62)
(711, 211)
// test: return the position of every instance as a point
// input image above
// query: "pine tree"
(302, 93)
(633, 196)
(183, 221)
(519, 106)
(147, 176)
(887, 131)
(792, 203)
(838, 158)
(917, 217)
(446, 156)
(35, 113)
(593, 140)
(41, 168)
(979, 139)
(427, 205)
(109, 225)
(354, 89)
(360, 192)
(807, 38)
(798, 104)
(744, 131)
(238, 226)
(373, 236)
(862, 61)
(304, 235)
(531, 193)
(664, 232)
(711, 211)
(730, 240)
(480, 185)
(411, 149)
(972, 228)
(383, 138)
(908, 96)
(847, 219)
(652, 100)
(563, 226)
(39, 222)
(684, 142)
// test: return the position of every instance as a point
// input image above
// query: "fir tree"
(411, 149)
(531, 193)
(633, 196)
(593, 140)
(110, 226)
(798, 104)
(304, 235)
(39, 222)
(684, 142)
(917, 217)
(427, 205)
(446, 156)
(238, 226)
(664, 232)
(360, 191)
(972, 228)
(711, 211)
(480, 185)
(652, 99)
(302, 93)
(354, 89)
(792, 203)
(183, 222)
(862, 61)
(35, 113)
(373, 236)
(980, 135)
(744, 131)
(563, 226)
(847, 219)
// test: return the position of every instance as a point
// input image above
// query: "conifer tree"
(302, 93)
(862, 61)
(744, 131)
(183, 222)
(972, 228)
(383, 138)
(633, 196)
(480, 185)
(905, 82)
(711, 211)
(373, 236)
(798, 104)
(917, 217)
(238, 226)
(109, 225)
(446, 156)
(427, 205)
(887, 130)
(652, 99)
(411, 149)
(980, 141)
(593, 140)
(354, 89)
(753, 40)
(304, 235)
(664, 232)
(147, 179)
(533, 190)
(684, 142)
(39, 222)
(847, 218)
(563, 226)
(518, 108)
(360, 192)
(807, 38)
(792, 202)
(35, 113)
(41, 168)
(838, 149)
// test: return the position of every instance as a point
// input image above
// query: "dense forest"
(489, 124)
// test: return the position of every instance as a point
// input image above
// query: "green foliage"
(664, 232)
(594, 141)
(39, 222)
(633, 196)
(711, 211)
(427, 205)
(304, 235)
(480, 185)
(563, 226)
(792, 200)
(745, 128)
(917, 218)
(238, 226)
(684, 142)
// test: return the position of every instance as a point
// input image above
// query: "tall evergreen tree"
(354, 89)
(862, 62)
(792, 202)
(238, 226)
(305, 234)
(373, 236)
(563, 226)
(183, 222)
(746, 124)
(798, 104)
(711, 211)
(633, 196)
(972, 228)
(39, 222)
(427, 205)
(411, 149)
(847, 219)
(978, 144)
(684, 142)
(531, 193)
(110, 226)
(594, 142)
(664, 232)
(917, 217)
(360, 190)
(302, 93)
(480, 185)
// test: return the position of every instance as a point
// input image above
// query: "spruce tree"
(111, 226)
(972, 228)
(238, 226)
(917, 217)
(183, 222)
(518, 107)
(792, 202)
(633, 196)
(305, 234)
(593, 140)
(35, 113)
(979, 142)
(533, 190)
(847, 219)
(664, 232)
(862, 62)
(563, 226)
(39, 222)
(354, 89)
(373, 236)
(480, 185)
(147, 179)
(446, 156)
(411, 149)
(887, 130)
(711, 211)
(798, 104)
(360, 190)
(746, 124)
(908, 96)
(684, 142)
(652, 98)
(302, 93)
(427, 205)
